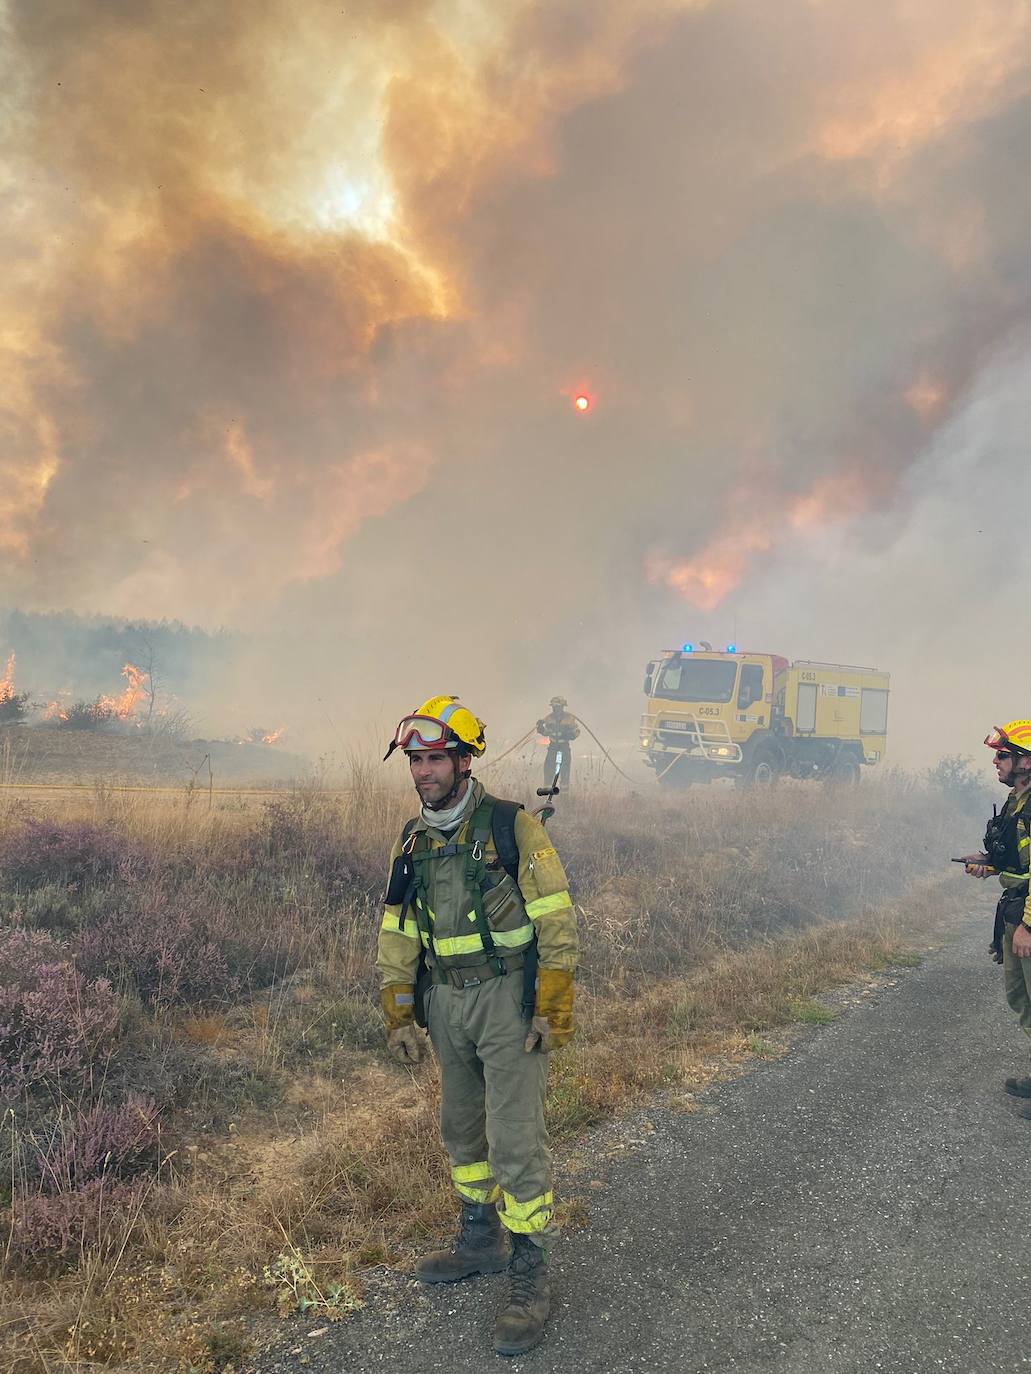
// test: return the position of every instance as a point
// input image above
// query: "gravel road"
(847, 1207)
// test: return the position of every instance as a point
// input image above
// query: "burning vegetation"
(13, 704)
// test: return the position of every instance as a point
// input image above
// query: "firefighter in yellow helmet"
(478, 943)
(559, 728)
(1007, 849)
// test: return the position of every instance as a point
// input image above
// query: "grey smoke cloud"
(298, 303)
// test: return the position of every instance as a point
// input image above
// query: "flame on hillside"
(7, 681)
(123, 706)
(259, 735)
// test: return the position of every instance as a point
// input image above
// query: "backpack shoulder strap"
(503, 835)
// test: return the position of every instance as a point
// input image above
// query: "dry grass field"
(35, 757)
(201, 1128)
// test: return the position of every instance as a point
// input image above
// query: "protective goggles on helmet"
(422, 732)
(998, 740)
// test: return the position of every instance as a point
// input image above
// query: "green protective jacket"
(1019, 804)
(539, 904)
(560, 727)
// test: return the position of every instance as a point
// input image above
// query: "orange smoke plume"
(926, 397)
(709, 576)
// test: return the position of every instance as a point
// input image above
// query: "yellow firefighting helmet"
(1016, 736)
(439, 723)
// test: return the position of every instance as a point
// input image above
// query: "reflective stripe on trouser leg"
(1017, 977)
(463, 1119)
(528, 1218)
(490, 1084)
(474, 1182)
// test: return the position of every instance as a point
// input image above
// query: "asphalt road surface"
(862, 1203)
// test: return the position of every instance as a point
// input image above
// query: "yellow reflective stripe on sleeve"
(542, 906)
(1023, 844)
(526, 1217)
(390, 923)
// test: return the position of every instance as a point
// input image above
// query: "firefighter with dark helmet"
(478, 943)
(1007, 850)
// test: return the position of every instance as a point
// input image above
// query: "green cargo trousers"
(1017, 974)
(492, 1102)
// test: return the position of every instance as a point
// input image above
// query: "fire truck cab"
(755, 717)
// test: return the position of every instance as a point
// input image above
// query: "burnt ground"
(857, 1204)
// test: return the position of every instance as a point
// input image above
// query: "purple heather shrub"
(52, 1019)
(168, 953)
(74, 853)
(97, 1141)
(45, 1228)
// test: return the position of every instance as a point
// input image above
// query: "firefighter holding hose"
(559, 728)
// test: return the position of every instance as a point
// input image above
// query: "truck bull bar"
(684, 732)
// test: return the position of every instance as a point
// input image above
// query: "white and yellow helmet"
(439, 723)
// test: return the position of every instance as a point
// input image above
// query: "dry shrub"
(53, 1020)
(73, 853)
(248, 942)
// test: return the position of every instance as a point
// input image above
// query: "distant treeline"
(60, 652)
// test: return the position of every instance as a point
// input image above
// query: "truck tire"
(762, 770)
(845, 772)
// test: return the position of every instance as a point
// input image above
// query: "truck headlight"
(645, 741)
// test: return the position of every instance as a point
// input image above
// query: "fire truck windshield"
(697, 679)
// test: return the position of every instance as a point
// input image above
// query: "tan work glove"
(552, 1024)
(405, 1040)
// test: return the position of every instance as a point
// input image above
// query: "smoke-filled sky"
(296, 298)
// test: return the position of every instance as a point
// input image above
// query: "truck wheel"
(762, 771)
(845, 772)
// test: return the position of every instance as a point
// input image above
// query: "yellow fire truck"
(755, 717)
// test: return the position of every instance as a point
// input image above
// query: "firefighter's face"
(1008, 768)
(433, 772)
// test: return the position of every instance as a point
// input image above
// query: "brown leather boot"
(520, 1325)
(480, 1247)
